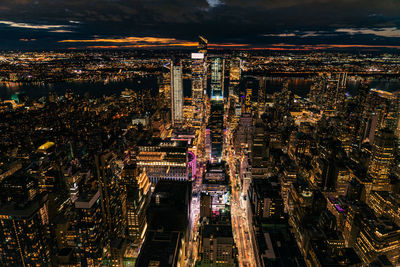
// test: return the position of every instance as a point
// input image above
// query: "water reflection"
(298, 85)
(7, 89)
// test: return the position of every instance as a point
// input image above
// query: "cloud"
(62, 31)
(306, 47)
(384, 32)
(125, 40)
(146, 42)
(31, 26)
(302, 34)
(27, 40)
(311, 34)
(280, 35)
(214, 3)
(254, 22)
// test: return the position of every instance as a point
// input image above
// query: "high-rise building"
(189, 112)
(113, 194)
(351, 226)
(216, 120)
(164, 159)
(202, 48)
(137, 186)
(248, 102)
(88, 228)
(203, 42)
(329, 91)
(216, 126)
(378, 236)
(262, 90)
(371, 127)
(217, 245)
(385, 204)
(23, 223)
(217, 79)
(176, 93)
(199, 81)
(382, 158)
(167, 235)
(205, 205)
(391, 118)
(234, 77)
(265, 197)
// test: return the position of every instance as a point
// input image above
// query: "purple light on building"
(338, 208)
(192, 163)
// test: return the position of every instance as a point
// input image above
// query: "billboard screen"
(197, 55)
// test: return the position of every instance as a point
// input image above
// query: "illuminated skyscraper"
(202, 48)
(189, 111)
(341, 91)
(378, 236)
(382, 157)
(113, 194)
(329, 91)
(217, 79)
(262, 93)
(177, 93)
(247, 104)
(203, 42)
(23, 223)
(234, 77)
(391, 117)
(216, 121)
(199, 79)
(137, 186)
(88, 229)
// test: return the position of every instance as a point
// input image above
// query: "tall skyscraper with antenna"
(199, 81)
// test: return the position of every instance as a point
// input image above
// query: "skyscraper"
(168, 231)
(113, 194)
(137, 186)
(23, 223)
(262, 94)
(382, 157)
(341, 91)
(216, 120)
(216, 127)
(217, 79)
(88, 228)
(177, 93)
(329, 91)
(234, 77)
(199, 77)
(203, 42)
(202, 48)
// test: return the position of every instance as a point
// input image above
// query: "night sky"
(249, 24)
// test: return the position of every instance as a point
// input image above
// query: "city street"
(192, 248)
(240, 222)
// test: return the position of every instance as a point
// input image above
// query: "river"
(298, 85)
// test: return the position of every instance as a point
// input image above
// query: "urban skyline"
(199, 133)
